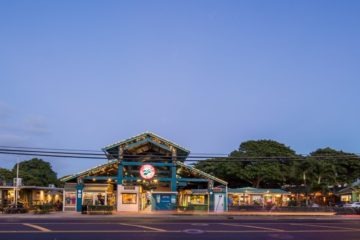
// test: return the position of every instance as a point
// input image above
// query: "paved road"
(103, 228)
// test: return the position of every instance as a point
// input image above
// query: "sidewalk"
(191, 215)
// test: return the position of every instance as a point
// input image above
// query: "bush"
(94, 209)
(44, 209)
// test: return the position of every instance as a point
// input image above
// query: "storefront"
(31, 195)
(194, 199)
(349, 194)
(257, 196)
(145, 173)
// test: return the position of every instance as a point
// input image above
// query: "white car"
(352, 205)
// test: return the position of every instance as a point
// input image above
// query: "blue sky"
(206, 74)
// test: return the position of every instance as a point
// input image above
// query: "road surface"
(102, 228)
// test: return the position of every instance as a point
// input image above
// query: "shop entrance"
(219, 205)
(145, 201)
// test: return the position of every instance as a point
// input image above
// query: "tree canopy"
(6, 175)
(268, 164)
(34, 172)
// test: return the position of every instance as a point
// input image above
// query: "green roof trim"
(252, 190)
(204, 174)
(88, 171)
(147, 133)
(346, 191)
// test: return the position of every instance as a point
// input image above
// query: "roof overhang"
(145, 138)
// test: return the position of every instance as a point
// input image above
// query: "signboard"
(147, 171)
(165, 199)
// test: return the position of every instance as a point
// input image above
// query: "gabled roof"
(150, 134)
(252, 190)
(345, 191)
(181, 164)
(88, 171)
(204, 174)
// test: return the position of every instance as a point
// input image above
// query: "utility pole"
(17, 182)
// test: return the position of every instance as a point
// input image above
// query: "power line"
(55, 149)
(80, 155)
(189, 156)
(98, 152)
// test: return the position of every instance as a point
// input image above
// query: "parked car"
(352, 205)
(315, 205)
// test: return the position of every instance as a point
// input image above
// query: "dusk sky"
(206, 74)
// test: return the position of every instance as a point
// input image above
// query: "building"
(350, 193)
(30, 196)
(145, 173)
(257, 196)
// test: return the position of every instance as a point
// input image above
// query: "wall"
(129, 207)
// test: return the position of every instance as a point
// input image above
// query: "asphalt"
(178, 227)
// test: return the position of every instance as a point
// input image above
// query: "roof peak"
(147, 132)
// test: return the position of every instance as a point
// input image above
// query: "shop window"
(100, 199)
(198, 199)
(129, 198)
(70, 198)
(345, 198)
(87, 198)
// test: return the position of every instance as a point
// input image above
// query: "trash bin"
(84, 209)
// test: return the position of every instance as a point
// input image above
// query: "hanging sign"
(147, 171)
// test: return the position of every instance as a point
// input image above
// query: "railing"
(269, 208)
(95, 209)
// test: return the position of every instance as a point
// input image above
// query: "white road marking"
(176, 231)
(142, 226)
(42, 229)
(193, 231)
(323, 226)
(251, 226)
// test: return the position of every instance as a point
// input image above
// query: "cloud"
(5, 111)
(19, 130)
(13, 139)
(35, 125)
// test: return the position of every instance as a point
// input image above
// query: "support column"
(173, 169)
(173, 178)
(79, 194)
(120, 166)
(120, 176)
(211, 195)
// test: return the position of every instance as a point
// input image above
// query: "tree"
(330, 167)
(36, 172)
(270, 168)
(6, 175)
(263, 164)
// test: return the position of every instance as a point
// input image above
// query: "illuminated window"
(129, 198)
(88, 198)
(198, 199)
(345, 198)
(70, 198)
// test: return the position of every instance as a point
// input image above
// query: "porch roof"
(109, 163)
(251, 190)
(345, 191)
(88, 171)
(33, 188)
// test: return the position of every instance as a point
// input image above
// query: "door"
(219, 202)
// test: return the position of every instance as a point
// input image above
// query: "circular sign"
(147, 171)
